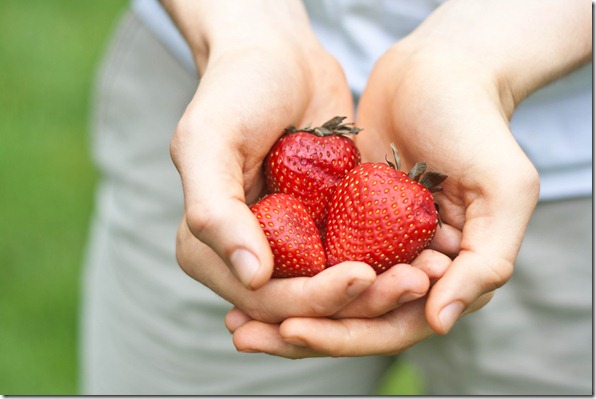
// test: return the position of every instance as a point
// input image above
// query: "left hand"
(444, 95)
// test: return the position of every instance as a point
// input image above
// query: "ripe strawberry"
(309, 163)
(292, 234)
(381, 215)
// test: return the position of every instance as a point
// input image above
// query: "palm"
(455, 123)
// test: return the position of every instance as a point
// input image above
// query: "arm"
(444, 94)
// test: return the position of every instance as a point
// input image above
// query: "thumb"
(485, 262)
(467, 286)
(215, 205)
(230, 229)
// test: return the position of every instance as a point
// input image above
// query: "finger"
(225, 223)
(484, 264)
(491, 237)
(218, 148)
(386, 335)
(470, 276)
(390, 334)
(447, 240)
(321, 295)
(256, 336)
(314, 337)
(235, 318)
(209, 158)
(397, 285)
(433, 263)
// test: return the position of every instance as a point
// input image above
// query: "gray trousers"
(147, 328)
(535, 336)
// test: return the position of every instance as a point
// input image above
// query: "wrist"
(417, 69)
(215, 28)
(517, 47)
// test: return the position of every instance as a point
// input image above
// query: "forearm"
(520, 45)
(214, 27)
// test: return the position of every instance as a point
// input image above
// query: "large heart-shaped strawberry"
(381, 215)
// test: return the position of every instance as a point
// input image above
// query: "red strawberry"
(292, 234)
(309, 163)
(381, 215)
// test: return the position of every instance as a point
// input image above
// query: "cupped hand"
(349, 289)
(451, 115)
(252, 87)
(255, 82)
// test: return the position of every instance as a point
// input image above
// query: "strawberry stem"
(417, 171)
(431, 179)
(397, 164)
(334, 126)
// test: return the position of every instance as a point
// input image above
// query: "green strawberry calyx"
(431, 179)
(334, 126)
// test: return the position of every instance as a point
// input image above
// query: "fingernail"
(245, 264)
(356, 287)
(450, 314)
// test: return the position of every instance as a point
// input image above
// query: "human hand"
(445, 96)
(349, 289)
(218, 147)
(262, 70)
(452, 119)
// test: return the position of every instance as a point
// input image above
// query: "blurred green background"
(49, 51)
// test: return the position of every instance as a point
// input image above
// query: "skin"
(441, 94)
(257, 78)
(238, 112)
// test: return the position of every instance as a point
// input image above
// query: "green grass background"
(49, 50)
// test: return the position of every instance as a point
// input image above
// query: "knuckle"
(320, 310)
(200, 222)
(315, 304)
(177, 143)
(262, 313)
(500, 272)
(181, 247)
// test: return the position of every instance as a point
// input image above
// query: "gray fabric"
(147, 328)
(535, 336)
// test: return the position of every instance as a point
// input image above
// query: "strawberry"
(309, 163)
(381, 215)
(292, 234)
